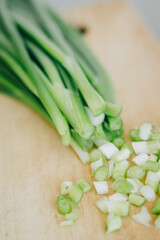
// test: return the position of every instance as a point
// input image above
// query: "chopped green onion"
(146, 147)
(65, 187)
(157, 222)
(95, 120)
(118, 141)
(136, 185)
(127, 145)
(153, 157)
(118, 196)
(120, 208)
(153, 146)
(76, 193)
(63, 205)
(151, 166)
(140, 159)
(134, 134)
(101, 173)
(148, 193)
(113, 223)
(101, 187)
(115, 123)
(155, 136)
(98, 142)
(158, 174)
(120, 169)
(136, 200)
(135, 172)
(108, 149)
(145, 131)
(142, 217)
(73, 216)
(156, 208)
(152, 180)
(123, 186)
(158, 190)
(84, 156)
(102, 204)
(122, 155)
(67, 223)
(97, 164)
(86, 187)
(95, 155)
(111, 167)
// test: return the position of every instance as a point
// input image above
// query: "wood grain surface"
(33, 161)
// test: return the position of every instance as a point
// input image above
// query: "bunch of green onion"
(45, 63)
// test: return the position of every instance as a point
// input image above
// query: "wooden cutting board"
(33, 161)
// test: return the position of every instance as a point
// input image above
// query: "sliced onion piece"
(97, 164)
(142, 217)
(102, 204)
(148, 193)
(101, 187)
(145, 131)
(65, 187)
(118, 196)
(108, 149)
(140, 159)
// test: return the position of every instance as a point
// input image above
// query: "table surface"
(33, 161)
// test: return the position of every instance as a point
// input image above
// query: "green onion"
(101, 173)
(157, 222)
(117, 197)
(142, 217)
(127, 145)
(137, 185)
(101, 187)
(145, 131)
(63, 205)
(134, 134)
(102, 204)
(113, 223)
(148, 193)
(97, 164)
(140, 159)
(65, 187)
(155, 136)
(156, 208)
(118, 141)
(153, 157)
(108, 149)
(120, 169)
(67, 223)
(122, 186)
(119, 208)
(146, 147)
(76, 193)
(122, 155)
(136, 200)
(158, 190)
(135, 172)
(95, 155)
(152, 180)
(115, 123)
(151, 166)
(112, 110)
(84, 156)
(86, 187)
